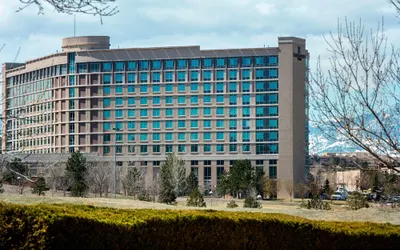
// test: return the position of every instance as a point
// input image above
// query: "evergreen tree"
(192, 183)
(375, 183)
(172, 179)
(241, 177)
(39, 186)
(133, 182)
(259, 181)
(223, 184)
(76, 171)
(327, 187)
(196, 199)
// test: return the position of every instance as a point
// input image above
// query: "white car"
(339, 196)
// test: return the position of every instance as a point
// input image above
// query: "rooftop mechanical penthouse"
(210, 107)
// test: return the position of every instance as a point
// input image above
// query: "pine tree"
(76, 171)
(39, 186)
(168, 180)
(375, 183)
(192, 183)
(223, 184)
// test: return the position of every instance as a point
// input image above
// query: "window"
(232, 74)
(131, 89)
(260, 61)
(232, 147)
(207, 75)
(156, 148)
(207, 123)
(261, 74)
(143, 125)
(106, 126)
(156, 137)
(194, 63)
(131, 101)
(272, 73)
(267, 148)
(246, 136)
(181, 148)
(207, 148)
(119, 66)
(206, 88)
(131, 78)
(194, 112)
(207, 111)
(106, 79)
(194, 75)
(181, 124)
(94, 67)
(272, 61)
(143, 113)
(220, 123)
(181, 112)
(194, 136)
(107, 67)
(119, 101)
(194, 148)
(246, 74)
(181, 99)
(207, 136)
(82, 67)
(119, 89)
(194, 99)
(168, 112)
(246, 124)
(181, 76)
(118, 125)
(220, 136)
(194, 124)
(245, 99)
(118, 137)
(143, 100)
(106, 102)
(107, 138)
(246, 111)
(119, 113)
(143, 65)
(232, 112)
(156, 65)
(232, 87)
(272, 172)
(220, 148)
(169, 137)
(131, 66)
(169, 100)
(169, 124)
(232, 124)
(119, 78)
(106, 149)
(143, 77)
(272, 86)
(143, 149)
(182, 64)
(168, 88)
(207, 63)
(156, 124)
(169, 64)
(207, 99)
(106, 114)
(233, 62)
(194, 87)
(220, 111)
(181, 87)
(131, 149)
(232, 137)
(220, 75)
(156, 100)
(131, 125)
(143, 88)
(169, 148)
(246, 62)
(220, 87)
(246, 87)
(220, 62)
(143, 137)
(156, 112)
(169, 77)
(232, 100)
(156, 77)
(220, 99)
(246, 147)
(72, 92)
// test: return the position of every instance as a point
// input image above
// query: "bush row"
(88, 227)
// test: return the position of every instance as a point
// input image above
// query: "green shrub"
(39, 186)
(250, 202)
(315, 203)
(196, 199)
(231, 204)
(144, 196)
(357, 201)
(87, 227)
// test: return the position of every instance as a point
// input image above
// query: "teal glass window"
(233, 124)
(207, 123)
(131, 66)
(220, 62)
(106, 126)
(131, 113)
(82, 68)
(272, 73)
(169, 137)
(194, 87)
(207, 136)
(181, 136)
(181, 124)
(261, 74)
(182, 64)
(194, 136)
(94, 67)
(272, 172)
(107, 138)
(246, 136)
(220, 74)
(107, 67)
(156, 124)
(220, 87)
(272, 86)
(169, 64)
(194, 112)
(207, 63)
(168, 88)
(119, 66)
(207, 75)
(143, 125)
(106, 79)
(220, 99)
(143, 137)
(272, 61)
(245, 99)
(181, 112)
(143, 149)
(182, 87)
(220, 136)
(233, 62)
(106, 114)
(260, 61)
(207, 148)
(207, 111)
(232, 87)
(232, 100)
(156, 65)
(131, 125)
(220, 111)
(207, 99)
(119, 78)
(246, 87)
(246, 124)
(156, 77)
(131, 89)
(118, 125)
(194, 99)
(246, 74)
(143, 100)
(169, 100)
(106, 149)
(119, 113)
(118, 137)
(169, 124)
(156, 88)
(232, 147)
(233, 137)
(246, 61)
(232, 74)
(246, 147)
(156, 112)
(131, 137)
(156, 100)
(144, 65)
(181, 76)
(220, 148)
(131, 101)
(168, 112)
(194, 75)
(220, 123)
(206, 88)
(181, 99)
(169, 148)
(143, 77)
(169, 76)
(194, 124)
(106, 102)
(246, 111)
(232, 112)
(156, 137)
(119, 101)
(119, 90)
(143, 88)
(181, 148)
(143, 113)
(194, 63)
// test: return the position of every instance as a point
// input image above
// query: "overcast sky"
(208, 23)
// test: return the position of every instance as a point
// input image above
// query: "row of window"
(271, 148)
(194, 136)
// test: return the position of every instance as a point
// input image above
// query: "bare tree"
(301, 190)
(355, 97)
(100, 178)
(133, 182)
(289, 187)
(102, 8)
(272, 187)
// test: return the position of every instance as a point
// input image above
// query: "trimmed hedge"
(88, 227)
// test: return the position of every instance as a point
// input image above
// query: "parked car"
(339, 196)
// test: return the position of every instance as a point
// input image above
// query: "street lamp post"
(115, 162)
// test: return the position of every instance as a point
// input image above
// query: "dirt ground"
(338, 212)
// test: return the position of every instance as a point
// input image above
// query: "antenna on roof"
(74, 26)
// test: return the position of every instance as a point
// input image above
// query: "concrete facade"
(211, 107)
